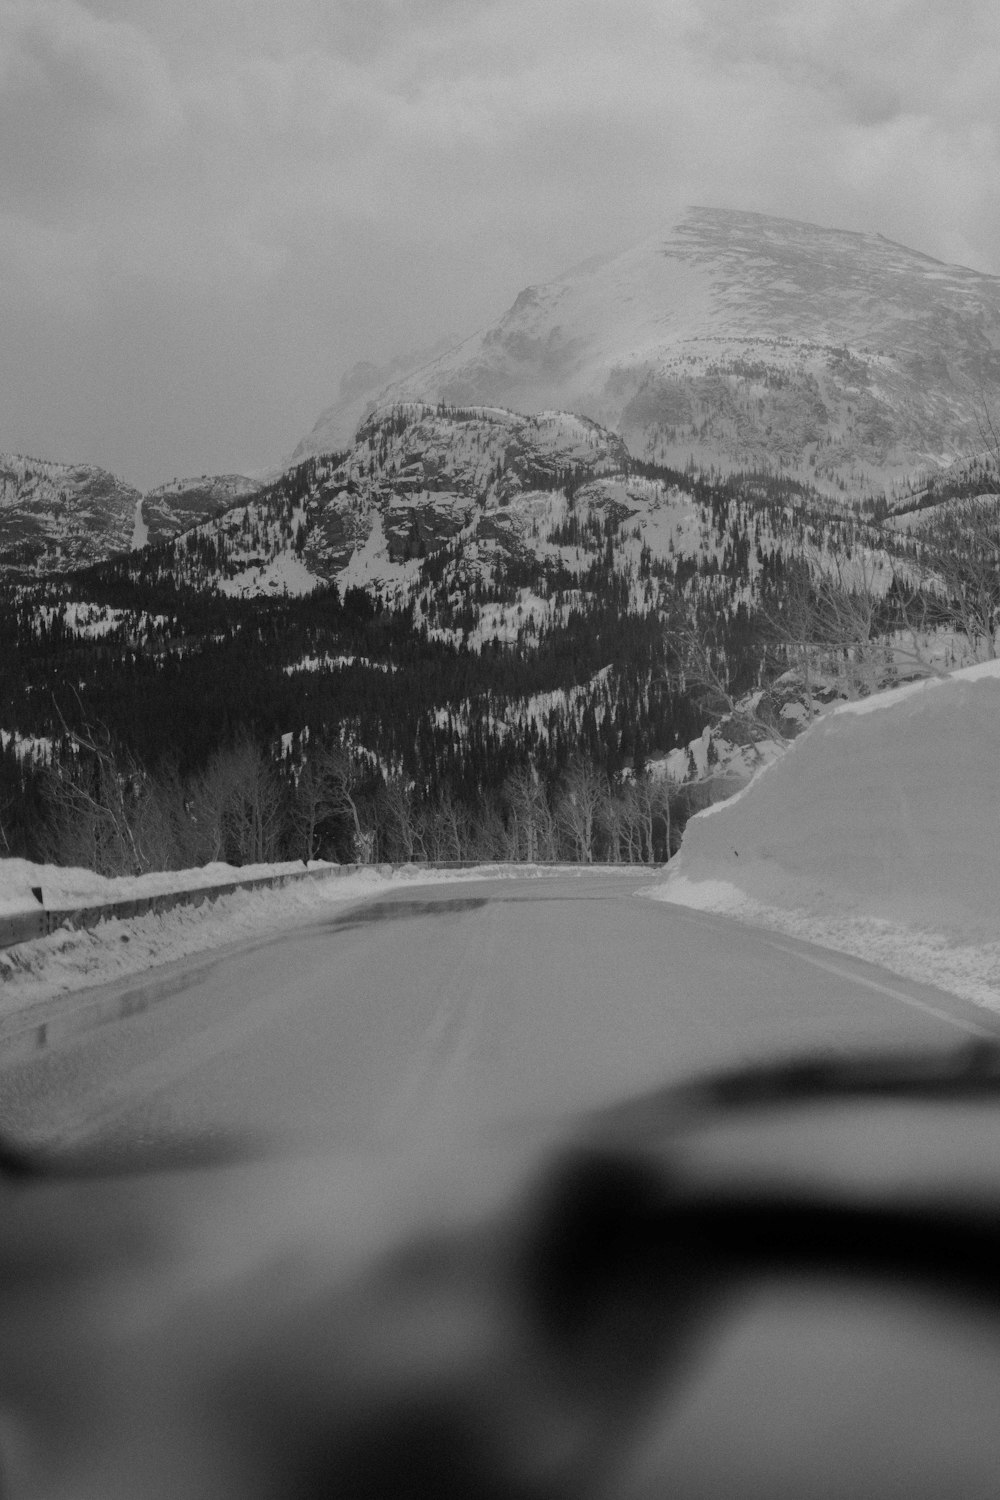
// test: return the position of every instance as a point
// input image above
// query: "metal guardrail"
(22, 927)
(27, 1029)
(40, 920)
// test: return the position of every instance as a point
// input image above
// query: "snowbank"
(69, 886)
(877, 833)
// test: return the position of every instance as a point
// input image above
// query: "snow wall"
(887, 808)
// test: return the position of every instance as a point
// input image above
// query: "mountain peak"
(741, 340)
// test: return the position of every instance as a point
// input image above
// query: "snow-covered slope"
(878, 832)
(417, 477)
(744, 341)
(175, 507)
(57, 516)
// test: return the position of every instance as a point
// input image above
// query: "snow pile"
(877, 833)
(67, 886)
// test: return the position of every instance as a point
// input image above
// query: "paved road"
(201, 1334)
(454, 1005)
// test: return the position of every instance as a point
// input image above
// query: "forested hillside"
(577, 613)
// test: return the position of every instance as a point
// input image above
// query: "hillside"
(740, 341)
(417, 479)
(467, 593)
(56, 516)
(479, 497)
(183, 503)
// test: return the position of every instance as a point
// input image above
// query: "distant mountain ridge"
(55, 516)
(175, 507)
(737, 341)
(732, 342)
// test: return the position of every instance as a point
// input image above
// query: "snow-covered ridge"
(417, 478)
(732, 339)
(55, 516)
(742, 341)
(173, 508)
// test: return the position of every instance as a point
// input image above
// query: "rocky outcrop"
(54, 516)
(184, 503)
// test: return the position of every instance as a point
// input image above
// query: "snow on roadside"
(71, 886)
(70, 960)
(877, 834)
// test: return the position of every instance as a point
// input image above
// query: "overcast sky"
(210, 209)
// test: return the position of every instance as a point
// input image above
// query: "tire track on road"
(427, 1093)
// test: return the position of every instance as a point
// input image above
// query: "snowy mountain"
(175, 507)
(731, 341)
(417, 479)
(56, 516)
(438, 502)
(741, 341)
(535, 545)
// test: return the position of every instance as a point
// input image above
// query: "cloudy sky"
(210, 209)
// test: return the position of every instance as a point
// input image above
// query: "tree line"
(193, 691)
(105, 811)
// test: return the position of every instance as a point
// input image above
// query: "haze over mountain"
(740, 341)
(732, 341)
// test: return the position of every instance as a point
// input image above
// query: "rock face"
(743, 341)
(54, 516)
(418, 476)
(183, 503)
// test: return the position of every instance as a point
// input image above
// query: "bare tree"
(612, 820)
(962, 545)
(830, 622)
(533, 825)
(400, 822)
(327, 792)
(94, 792)
(630, 826)
(236, 807)
(699, 671)
(652, 801)
(583, 792)
(309, 807)
(344, 776)
(447, 829)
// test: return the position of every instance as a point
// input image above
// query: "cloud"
(352, 177)
(79, 97)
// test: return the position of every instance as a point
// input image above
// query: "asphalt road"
(455, 1005)
(219, 1334)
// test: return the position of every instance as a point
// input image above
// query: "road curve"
(454, 1005)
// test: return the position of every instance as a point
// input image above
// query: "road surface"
(219, 1334)
(456, 1005)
